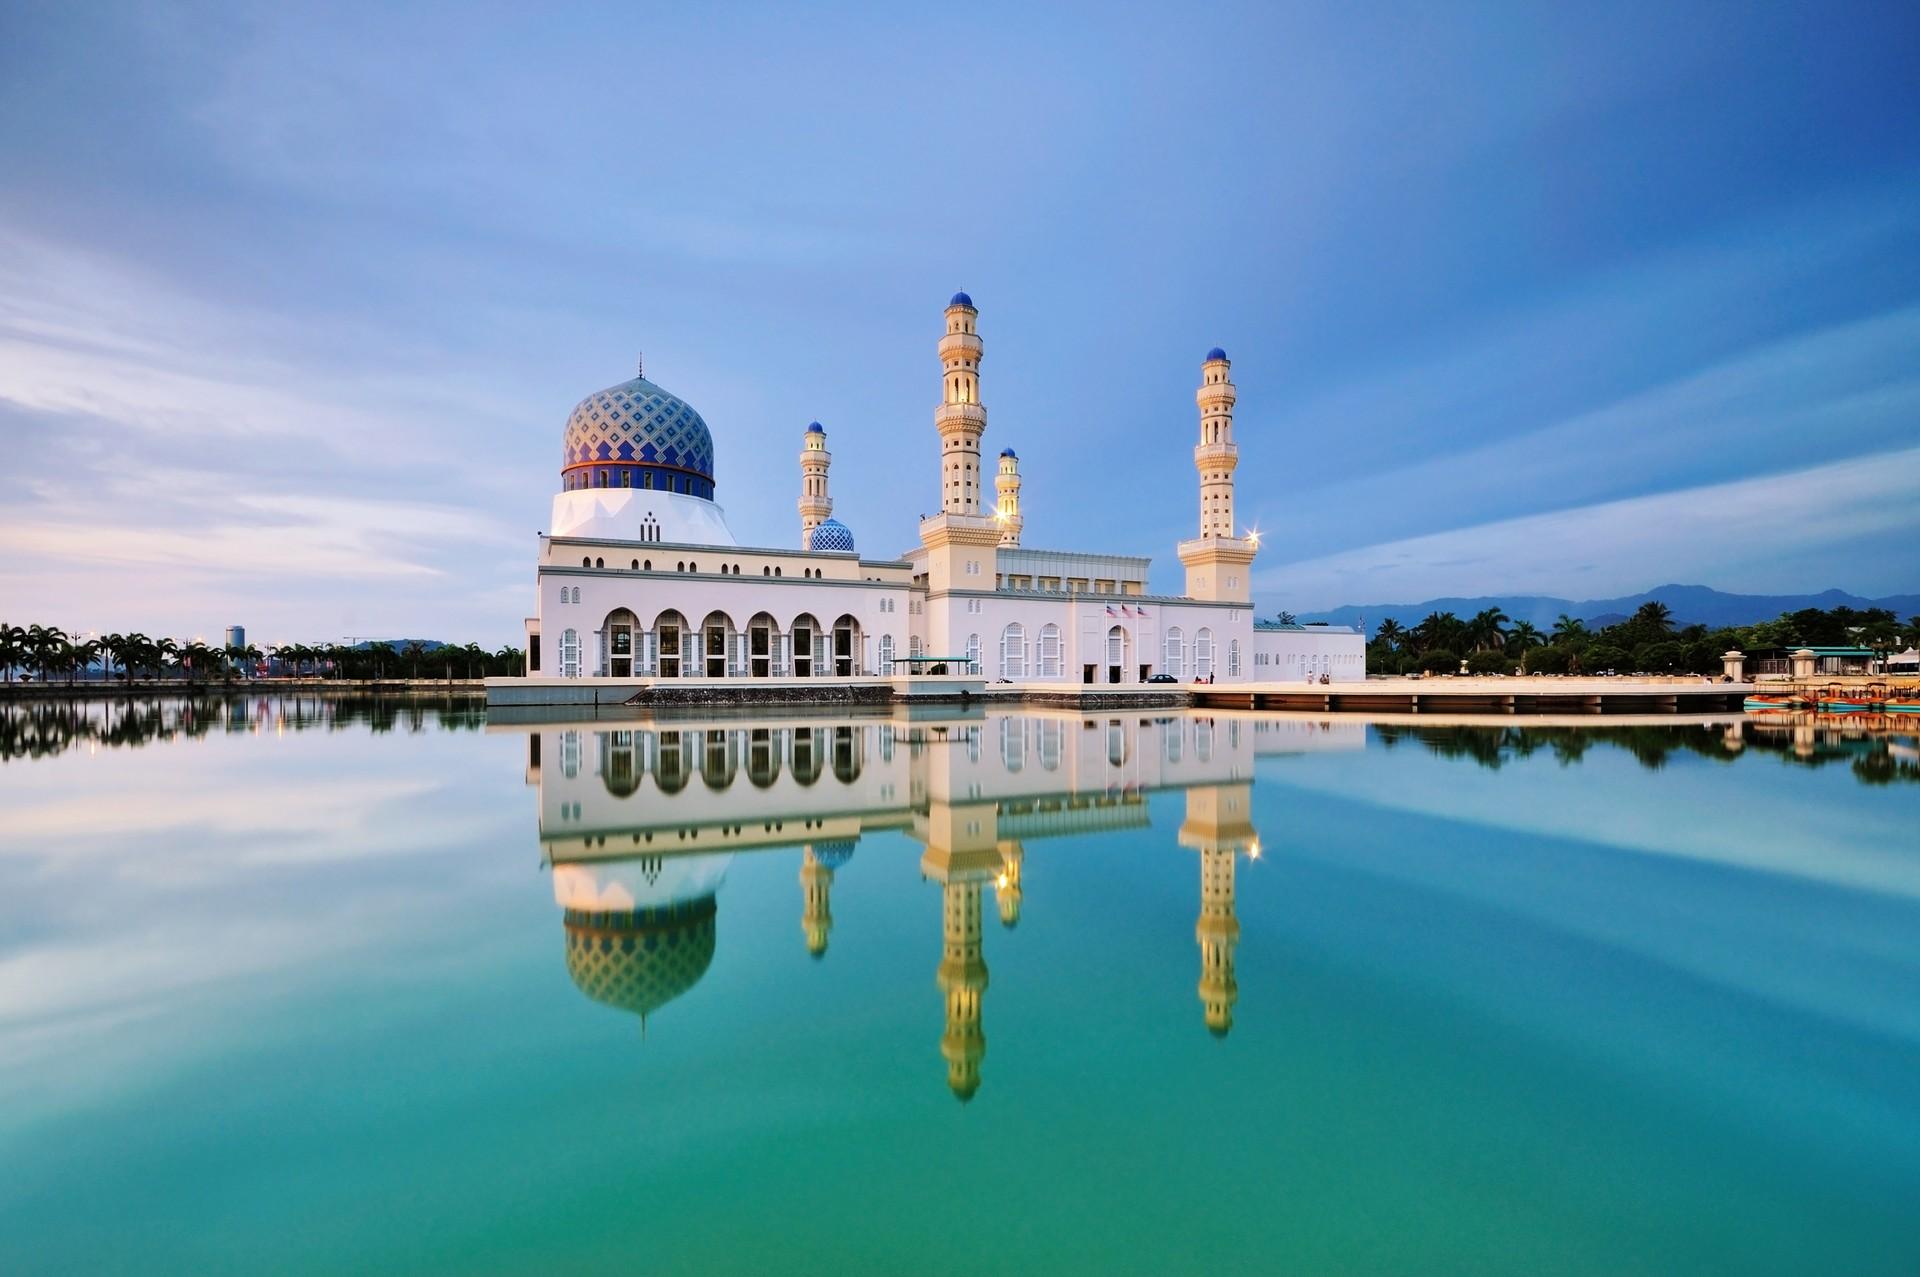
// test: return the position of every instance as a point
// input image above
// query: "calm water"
(305, 987)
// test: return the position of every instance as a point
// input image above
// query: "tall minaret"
(815, 504)
(1217, 561)
(1219, 827)
(1007, 484)
(960, 418)
(816, 905)
(1216, 455)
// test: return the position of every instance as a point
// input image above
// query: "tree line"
(52, 655)
(1648, 642)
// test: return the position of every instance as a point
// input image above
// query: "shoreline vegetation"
(45, 660)
(1648, 642)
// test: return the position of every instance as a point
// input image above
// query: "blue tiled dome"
(1009, 452)
(637, 426)
(1216, 353)
(831, 535)
(815, 428)
(961, 299)
(833, 854)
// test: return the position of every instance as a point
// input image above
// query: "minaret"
(816, 910)
(1217, 560)
(963, 979)
(1218, 826)
(1006, 888)
(960, 418)
(815, 504)
(964, 855)
(1007, 484)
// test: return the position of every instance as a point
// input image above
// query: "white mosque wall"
(1307, 652)
(639, 514)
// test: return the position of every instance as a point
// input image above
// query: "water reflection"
(640, 825)
(43, 728)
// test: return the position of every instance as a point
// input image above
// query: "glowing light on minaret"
(1007, 510)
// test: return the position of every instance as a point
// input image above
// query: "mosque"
(641, 580)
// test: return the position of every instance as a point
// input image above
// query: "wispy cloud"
(1724, 528)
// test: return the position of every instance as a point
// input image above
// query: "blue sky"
(293, 305)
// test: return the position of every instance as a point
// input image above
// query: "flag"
(1110, 611)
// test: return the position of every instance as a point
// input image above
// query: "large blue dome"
(961, 299)
(831, 535)
(636, 435)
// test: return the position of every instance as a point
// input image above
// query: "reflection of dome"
(639, 960)
(1216, 353)
(636, 429)
(961, 299)
(831, 534)
(833, 854)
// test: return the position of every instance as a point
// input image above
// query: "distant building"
(236, 636)
(1283, 651)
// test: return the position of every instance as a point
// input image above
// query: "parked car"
(1162, 678)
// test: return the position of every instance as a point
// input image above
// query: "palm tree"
(1391, 633)
(507, 660)
(165, 652)
(198, 658)
(1286, 618)
(82, 654)
(1484, 631)
(1569, 629)
(1524, 636)
(13, 647)
(1655, 616)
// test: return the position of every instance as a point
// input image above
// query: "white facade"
(1308, 653)
(640, 576)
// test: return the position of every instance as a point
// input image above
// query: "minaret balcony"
(960, 416)
(1219, 395)
(960, 346)
(1222, 456)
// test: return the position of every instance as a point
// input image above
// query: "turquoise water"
(303, 987)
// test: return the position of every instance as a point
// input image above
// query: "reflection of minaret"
(962, 856)
(1006, 888)
(1218, 826)
(963, 979)
(816, 887)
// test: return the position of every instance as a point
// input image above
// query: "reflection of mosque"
(641, 825)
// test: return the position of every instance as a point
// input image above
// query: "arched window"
(1203, 653)
(886, 654)
(635, 567)
(646, 565)
(1013, 743)
(1175, 639)
(1050, 651)
(1013, 651)
(973, 654)
(1233, 658)
(776, 571)
(570, 654)
(586, 561)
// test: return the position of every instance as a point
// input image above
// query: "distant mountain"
(1691, 605)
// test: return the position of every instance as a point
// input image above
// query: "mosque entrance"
(1116, 654)
(845, 637)
(669, 648)
(803, 647)
(716, 649)
(760, 650)
(620, 629)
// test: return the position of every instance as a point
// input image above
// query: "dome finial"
(639, 364)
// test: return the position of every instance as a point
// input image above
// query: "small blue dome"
(1216, 353)
(961, 299)
(815, 428)
(833, 854)
(831, 535)
(1009, 452)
